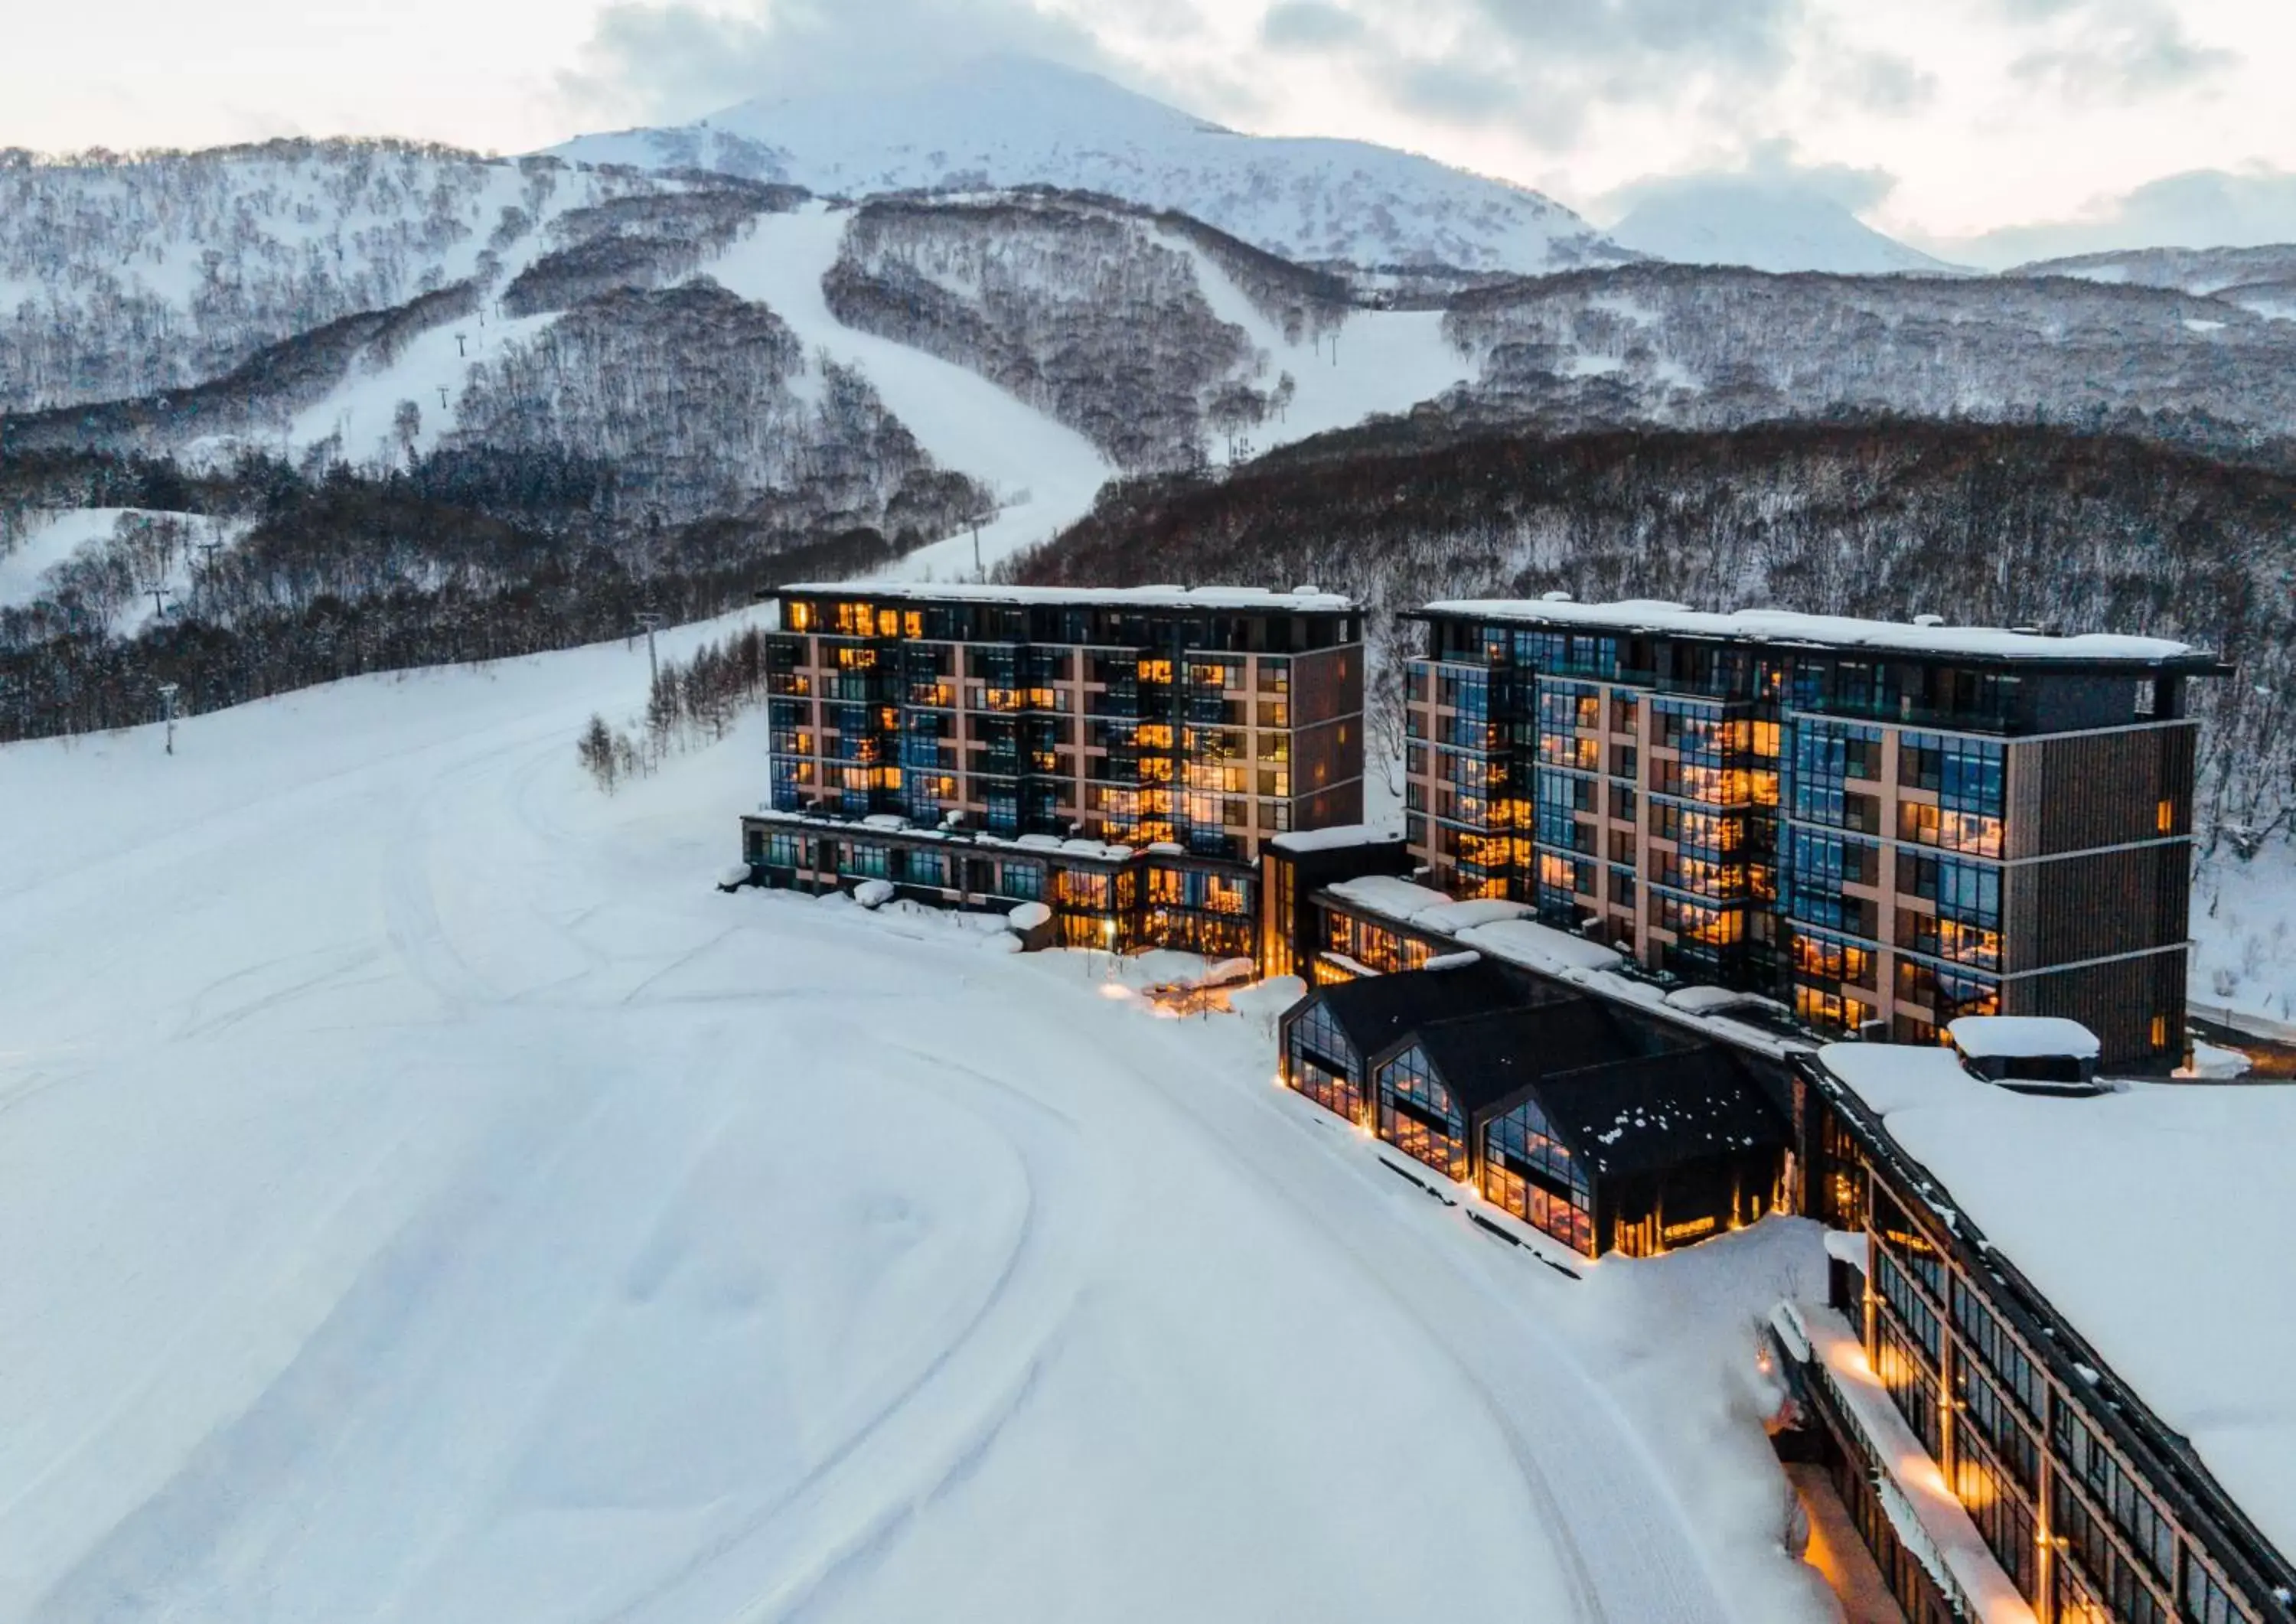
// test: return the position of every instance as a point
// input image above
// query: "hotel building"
(1120, 755)
(2038, 1398)
(1883, 826)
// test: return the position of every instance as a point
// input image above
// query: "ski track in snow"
(430, 1201)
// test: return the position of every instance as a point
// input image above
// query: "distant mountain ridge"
(1764, 225)
(1011, 121)
(2261, 280)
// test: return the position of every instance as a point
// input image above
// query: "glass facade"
(1529, 1172)
(1377, 948)
(1999, 1512)
(1322, 1063)
(1752, 812)
(1417, 1116)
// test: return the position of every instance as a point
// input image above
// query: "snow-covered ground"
(426, 1199)
(1383, 361)
(54, 540)
(2245, 935)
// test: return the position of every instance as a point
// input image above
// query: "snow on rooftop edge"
(1141, 598)
(1785, 626)
(2153, 1219)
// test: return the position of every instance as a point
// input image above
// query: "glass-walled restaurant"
(1603, 1128)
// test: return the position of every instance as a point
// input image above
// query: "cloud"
(1309, 25)
(1538, 67)
(1882, 83)
(2110, 51)
(1773, 167)
(676, 62)
(2198, 208)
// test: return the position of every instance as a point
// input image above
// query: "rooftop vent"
(1307, 591)
(1555, 597)
(1928, 619)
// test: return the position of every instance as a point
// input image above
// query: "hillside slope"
(125, 276)
(1721, 348)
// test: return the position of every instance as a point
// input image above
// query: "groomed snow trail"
(426, 1200)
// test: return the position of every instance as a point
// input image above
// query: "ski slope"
(1376, 363)
(60, 536)
(54, 538)
(426, 1199)
(1044, 474)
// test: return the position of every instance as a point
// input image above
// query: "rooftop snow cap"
(2022, 1038)
(2031, 1052)
(1238, 599)
(1656, 616)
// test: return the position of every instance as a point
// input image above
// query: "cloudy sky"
(1994, 128)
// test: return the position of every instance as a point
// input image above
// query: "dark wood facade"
(2136, 1006)
(2080, 791)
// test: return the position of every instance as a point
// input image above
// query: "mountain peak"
(999, 121)
(1764, 222)
(993, 98)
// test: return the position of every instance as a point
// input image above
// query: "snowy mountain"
(122, 276)
(1764, 225)
(2261, 280)
(1013, 122)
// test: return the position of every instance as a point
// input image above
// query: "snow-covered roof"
(891, 824)
(1776, 626)
(2023, 1038)
(1231, 598)
(1466, 915)
(1713, 1000)
(1399, 899)
(1537, 946)
(1502, 932)
(1340, 837)
(2155, 1219)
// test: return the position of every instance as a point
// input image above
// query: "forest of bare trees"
(469, 554)
(1702, 347)
(1088, 313)
(691, 702)
(143, 272)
